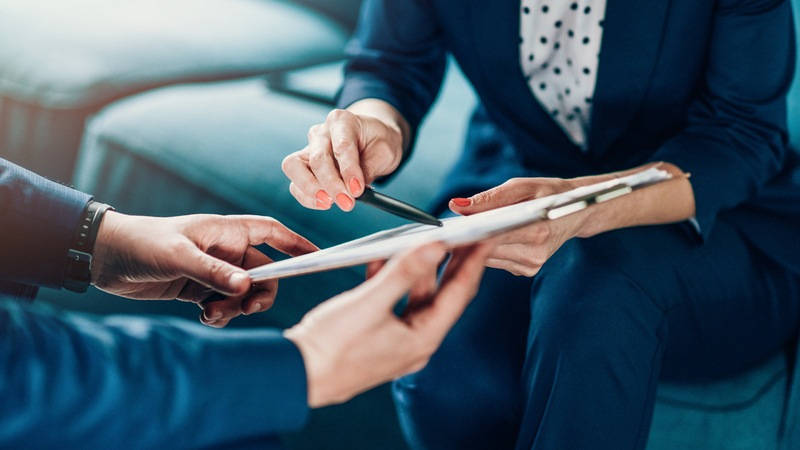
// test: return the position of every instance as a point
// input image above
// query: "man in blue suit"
(694, 278)
(71, 381)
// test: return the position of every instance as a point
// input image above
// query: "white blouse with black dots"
(559, 49)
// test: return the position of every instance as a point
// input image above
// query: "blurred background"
(166, 107)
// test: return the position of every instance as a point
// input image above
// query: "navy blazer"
(69, 381)
(701, 84)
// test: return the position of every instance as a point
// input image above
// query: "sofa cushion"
(69, 54)
(744, 412)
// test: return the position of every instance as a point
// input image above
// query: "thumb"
(401, 273)
(214, 273)
(508, 193)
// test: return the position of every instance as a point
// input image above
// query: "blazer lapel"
(632, 35)
(495, 34)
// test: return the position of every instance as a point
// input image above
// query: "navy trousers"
(571, 358)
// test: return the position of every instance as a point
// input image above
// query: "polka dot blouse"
(559, 48)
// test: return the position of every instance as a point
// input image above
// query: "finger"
(195, 292)
(263, 294)
(512, 267)
(222, 308)
(307, 189)
(266, 230)
(374, 267)
(523, 254)
(458, 286)
(535, 234)
(400, 273)
(211, 272)
(344, 134)
(260, 297)
(423, 290)
(508, 193)
(323, 166)
(221, 323)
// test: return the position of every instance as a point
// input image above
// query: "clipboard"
(457, 231)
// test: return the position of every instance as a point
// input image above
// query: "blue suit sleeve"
(71, 381)
(735, 138)
(397, 55)
(38, 219)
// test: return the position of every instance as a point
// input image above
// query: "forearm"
(147, 383)
(38, 219)
(666, 202)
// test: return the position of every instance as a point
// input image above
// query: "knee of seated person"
(469, 395)
(454, 414)
(584, 299)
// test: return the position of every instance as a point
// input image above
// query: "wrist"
(317, 383)
(80, 253)
(104, 243)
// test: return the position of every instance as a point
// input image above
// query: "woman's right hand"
(348, 151)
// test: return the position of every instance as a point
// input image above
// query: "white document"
(454, 232)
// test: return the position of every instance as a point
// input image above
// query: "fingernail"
(344, 202)
(355, 187)
(254, 308)
(462, 201)
(323, 199)
(214, 316)
(237, 278)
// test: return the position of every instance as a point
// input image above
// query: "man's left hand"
(190, 258)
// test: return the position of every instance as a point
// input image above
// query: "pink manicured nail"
(355, 187)
(323, 200)
(344, 202)
(254, 308)
(462, 201)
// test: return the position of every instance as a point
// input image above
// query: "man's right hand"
(355, 341)
(347, 152)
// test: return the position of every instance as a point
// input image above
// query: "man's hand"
(190, 258)
(347, 152)
(354, 341)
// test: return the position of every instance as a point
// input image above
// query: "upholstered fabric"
(81, 52)
(63, 60)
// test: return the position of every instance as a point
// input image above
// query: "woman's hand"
(523, 251)
(355, 341)
(347, 152)
(189, 258)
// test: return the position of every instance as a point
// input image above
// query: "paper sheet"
(455, 231)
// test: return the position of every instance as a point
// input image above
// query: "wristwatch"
(77, 275)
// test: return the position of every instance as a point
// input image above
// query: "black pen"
(397, 207)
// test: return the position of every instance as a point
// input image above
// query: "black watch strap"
(78, 276)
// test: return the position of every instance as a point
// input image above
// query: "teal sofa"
(62, 61)
(209, 137)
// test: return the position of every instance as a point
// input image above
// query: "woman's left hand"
(523, 251)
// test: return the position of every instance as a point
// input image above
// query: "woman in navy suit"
(695, 277)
